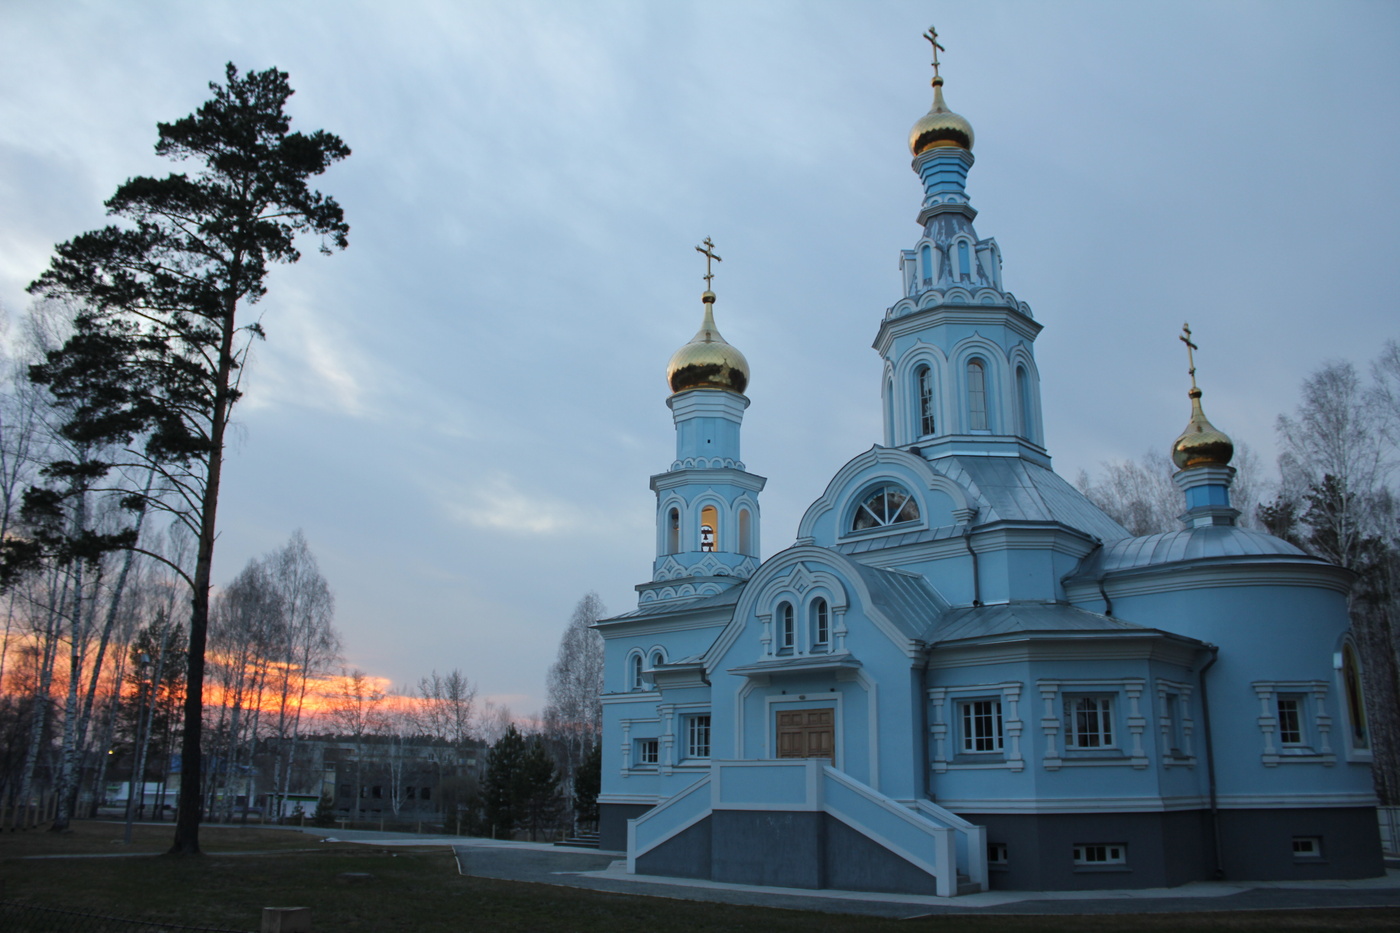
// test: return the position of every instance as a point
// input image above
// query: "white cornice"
(975, 314)
(1028, 647)
(1213, 573)
(708, 476)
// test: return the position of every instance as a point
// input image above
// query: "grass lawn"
(418, 889)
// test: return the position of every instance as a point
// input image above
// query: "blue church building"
(962, 674)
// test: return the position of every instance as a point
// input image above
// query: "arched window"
(976, 396)
(1023, 402)
(673, 531)
(1356, 698)
(889, 413)
(925, 389)
(821, 624)
(889, 504)
(709, 528)
(745, 532)
(657, 659)
(964, 262)
(787, 628)
(635, 674)
(926, 259)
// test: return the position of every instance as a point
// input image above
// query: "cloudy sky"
(462, 410)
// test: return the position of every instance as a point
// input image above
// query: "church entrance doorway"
(807, 733)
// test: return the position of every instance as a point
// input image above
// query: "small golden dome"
(1201, 444)
(708, 361)
(939, 127)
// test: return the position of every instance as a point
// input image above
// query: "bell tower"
(960, 375)
(707, 518)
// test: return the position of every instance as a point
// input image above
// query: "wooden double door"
(807, 733)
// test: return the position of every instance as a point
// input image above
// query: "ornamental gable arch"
(942, 501)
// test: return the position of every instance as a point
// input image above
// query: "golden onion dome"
(1201, 444)
(708, 361)
(940, 127)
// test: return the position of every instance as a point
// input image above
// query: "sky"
(462, 410)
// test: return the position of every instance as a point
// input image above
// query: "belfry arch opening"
(709, 528)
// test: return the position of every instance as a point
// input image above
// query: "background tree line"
(1334, 495)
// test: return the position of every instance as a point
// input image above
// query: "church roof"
(1013, 489)
(1025, 618)
(660, 607)
(906, 599)
(1210, 541)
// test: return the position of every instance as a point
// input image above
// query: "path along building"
(963, 673)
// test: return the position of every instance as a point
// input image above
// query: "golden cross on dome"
(932, 37)
(709, 251)
(1190, 357)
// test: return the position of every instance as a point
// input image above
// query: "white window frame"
(787, 628)
(645, 760)
(1313, 742)
(927, 401)
(1307, 848)
(821, 623)
(698, 736)
(1079, 735)
(1129, 724)
(980, 731)
(945, 725)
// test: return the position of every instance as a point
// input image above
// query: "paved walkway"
(607, 871)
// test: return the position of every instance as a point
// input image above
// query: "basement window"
(1307, 848)
(1108, 856)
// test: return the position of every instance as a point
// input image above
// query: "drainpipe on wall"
(924, 762)
(976, 578)
(1210, 759)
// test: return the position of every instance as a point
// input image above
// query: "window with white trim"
(1307, 847)
(997, 854)
(924, 383)
(976, 395)
(1088, 722)
(1294, 722)
(634, 677)
(981, 726)
(787, 628)
(821, 624)
(890, 504)
(648, 751)
(1290, 720)
(697, 736)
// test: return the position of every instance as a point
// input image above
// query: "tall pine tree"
(158, 343)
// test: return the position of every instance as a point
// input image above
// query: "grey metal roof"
(906, 599)
(1012, 489)
(1018, 618)
(884, 541)
(1207, 542)
(686, 604)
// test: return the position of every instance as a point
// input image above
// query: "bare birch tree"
(573, 714)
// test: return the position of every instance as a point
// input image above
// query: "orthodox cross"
(1190, 357)
(709, 251)
(932, 37)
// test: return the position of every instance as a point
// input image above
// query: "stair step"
(579, 842)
